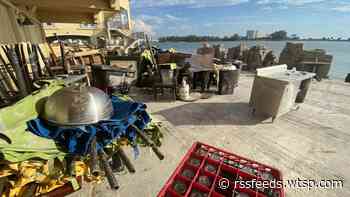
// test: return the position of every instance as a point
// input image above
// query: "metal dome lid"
(77, 105)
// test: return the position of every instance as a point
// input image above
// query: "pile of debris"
(237, 52)
(316, 61)
(41, 156)
(258, 57)
(255, 57)
(20, 66)
(52, 147)
(70, 58)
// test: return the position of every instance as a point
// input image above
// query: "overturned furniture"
(277, 90)
(166, 79)
(226, 73)
(316, 61)
(105, 78)
(258, 56)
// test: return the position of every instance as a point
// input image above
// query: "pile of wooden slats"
(24, 63)
(21, 65)
(75, 59)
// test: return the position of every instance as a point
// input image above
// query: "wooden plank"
(44, 60)
(3, 54)
(45, 49)
(87, 53)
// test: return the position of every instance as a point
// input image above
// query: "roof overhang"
(66, 11)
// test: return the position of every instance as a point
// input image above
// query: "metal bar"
(117, 163)
(6, 79)
(24, 68)
(3, 93)
(9, 68)
(108, 170)
(4, 87)
(70, 164)
(126, 160)
(152, 54)
(95, 170)
(149, 143)
(6, 47)
(33, 59)
(62, 53)
(19, 75)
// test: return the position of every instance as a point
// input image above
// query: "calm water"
(339, 50)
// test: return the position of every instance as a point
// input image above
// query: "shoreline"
(339, 49)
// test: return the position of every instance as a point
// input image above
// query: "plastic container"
(202, 168)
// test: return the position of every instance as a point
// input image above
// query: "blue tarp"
(76, 140)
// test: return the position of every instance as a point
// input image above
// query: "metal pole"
(149, 143)
(33, 59)
(62, 51)
(95, 170)
(24, 68)
(9, 69)
(19, 75)
(108, 170)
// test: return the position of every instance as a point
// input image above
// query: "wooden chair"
(165, 79)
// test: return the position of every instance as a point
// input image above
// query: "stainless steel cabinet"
(277, 90)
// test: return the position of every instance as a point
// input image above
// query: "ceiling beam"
(73, 4)
(18, 10)
(62, 16)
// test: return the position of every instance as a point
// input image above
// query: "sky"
(306, 18)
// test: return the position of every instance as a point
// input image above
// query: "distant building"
(261, 35)
(255, 34)
(252, 34)
(294, 37)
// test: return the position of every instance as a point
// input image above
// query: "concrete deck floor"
(310, 143)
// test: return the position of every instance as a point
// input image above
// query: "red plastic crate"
(204, 165)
